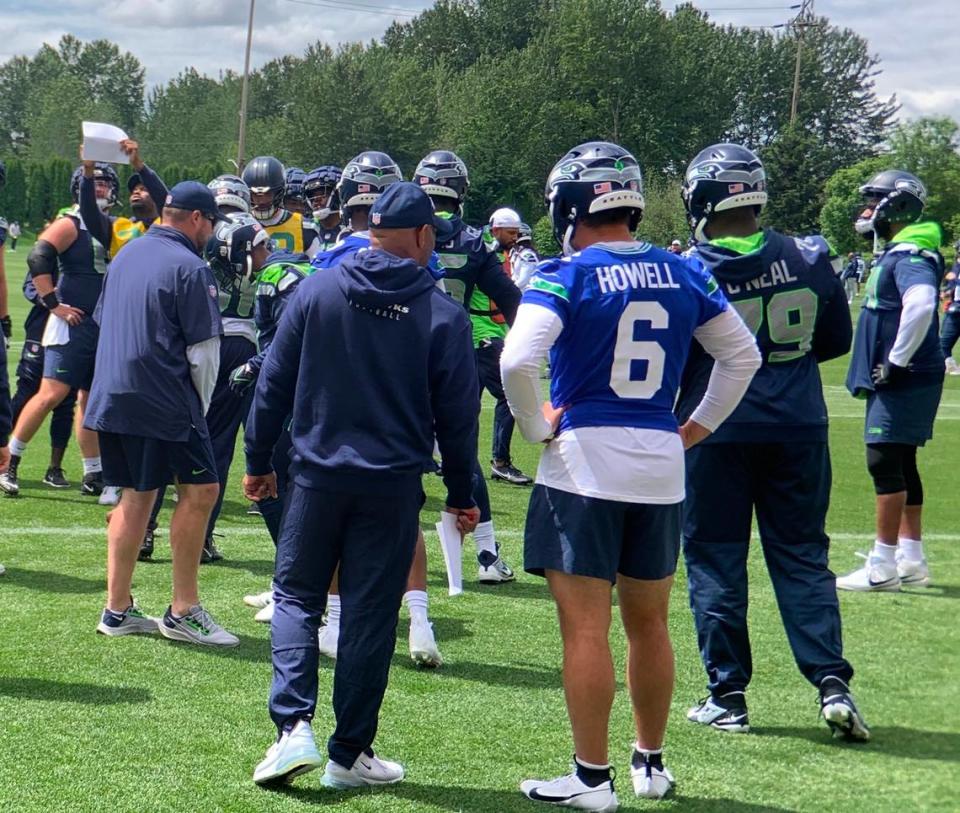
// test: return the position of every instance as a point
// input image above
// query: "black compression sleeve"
(42, 259)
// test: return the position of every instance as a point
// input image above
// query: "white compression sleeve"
(528, 342)
(919, 304)
(737, 359)
(204, 360)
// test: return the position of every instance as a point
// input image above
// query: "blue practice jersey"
(629, 311)
(360, 241)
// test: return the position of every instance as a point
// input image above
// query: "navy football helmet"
(893, 197)
(442, 174)
(262, 175)
(229, 190)
(594, 177)
(318, 188)
(229, 249)
(722, 177)
(363, 180)
(293, 188)
(101, 172)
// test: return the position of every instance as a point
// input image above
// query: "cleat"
(505, 470)
(875, 576)
(651, 780)
(109, 496)
(196, 627)
(210, 553)
(369, 769)
(840, 711)
(423, 645)
(328, 637)
(55, 479)
(9, 484)
(293, 754)
(493, 570)
(259, 600)
(130, 622)
(92, 485)
(254, 510)
(265, 614)
(913, 574)
(571, 791)
(146, 547)
(727, 712)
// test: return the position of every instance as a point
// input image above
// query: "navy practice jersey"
(910, 259)
(628, 311)
(787, 293)
(276, 284)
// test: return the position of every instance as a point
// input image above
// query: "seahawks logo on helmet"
(442, 174)
(230, 192)
(364, 179)
(722, 177)
(230, 247)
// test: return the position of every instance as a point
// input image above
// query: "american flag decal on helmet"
(602, 188)
(363, 187)
(734, 188)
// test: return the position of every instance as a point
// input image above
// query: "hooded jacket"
(789, 296)
(372, 360)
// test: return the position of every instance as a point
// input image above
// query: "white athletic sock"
(91, 465)
(416, 601)
(333, 610)
(647, 751)
(886, 553)
(483, 536)
(17, 447)
(912, 549)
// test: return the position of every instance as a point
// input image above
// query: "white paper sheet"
(451, 543)
(101, 142)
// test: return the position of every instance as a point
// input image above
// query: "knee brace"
(885, 462)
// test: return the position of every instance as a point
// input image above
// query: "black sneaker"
(254, 509)
(210, 552)
(727, 712)
(840, 711)
(9, 484)
(146, 547)
(506, 471)
(55, 479)
(92, 484)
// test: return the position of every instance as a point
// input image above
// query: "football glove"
(241, 379)
(6, 327)
(886, 374)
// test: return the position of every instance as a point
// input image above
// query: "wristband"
(50, 301)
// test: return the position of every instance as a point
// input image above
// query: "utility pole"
(803, 20)
(242, 141)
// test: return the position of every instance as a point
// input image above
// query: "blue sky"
(919, 42)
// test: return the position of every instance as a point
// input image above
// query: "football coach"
(156, 366)
(372, 360)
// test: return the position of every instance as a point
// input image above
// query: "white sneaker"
(493, 570)
(423, 645)
(649, 781)
(265, 614)
(570, 791)
(295, 753)
(876, 575)
(913, 574)
(328, 637)
(196, 627)
(952, 367)
(259, 600)
(109, 496)
(369, 769)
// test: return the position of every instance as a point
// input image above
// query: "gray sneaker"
(130, 622)
(196, 627)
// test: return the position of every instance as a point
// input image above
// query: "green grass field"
(142, 724)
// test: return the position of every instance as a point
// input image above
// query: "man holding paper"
(371, 359)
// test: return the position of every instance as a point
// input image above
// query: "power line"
(749, 8)
(389, 11)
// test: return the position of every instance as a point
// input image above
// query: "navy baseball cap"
(134, 181)
(405, 205)
(193, 196)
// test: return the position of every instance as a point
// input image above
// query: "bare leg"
(35, 411)
(890, 509)
(417, 580)
(127, 524)
(650, 667)
(188, 527)
(87, 440)
(910, 526)
(583, 606)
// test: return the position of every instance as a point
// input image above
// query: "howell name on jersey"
(620, 276)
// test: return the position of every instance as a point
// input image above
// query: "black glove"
(887, 374)
(241, 379)
(6, 327)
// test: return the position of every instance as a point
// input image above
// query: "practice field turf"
(142, 724)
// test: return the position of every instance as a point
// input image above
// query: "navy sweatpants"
(488, 369)
(788, 485)
(271, 508)
(372, 538)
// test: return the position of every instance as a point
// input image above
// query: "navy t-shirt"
(158, 299)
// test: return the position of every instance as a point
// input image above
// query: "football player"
(66, 267)
(897, 366)
(231, 194)
(617, 318)
(474, 277)
(318, 189)
(293, 199)
(771, 456)
(266, 178)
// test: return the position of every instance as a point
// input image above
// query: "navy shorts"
(72, 363)
(144, 464)
(586, 536)
(902, 415)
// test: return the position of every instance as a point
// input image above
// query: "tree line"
(508, 84)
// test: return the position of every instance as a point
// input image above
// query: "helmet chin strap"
(568, 248)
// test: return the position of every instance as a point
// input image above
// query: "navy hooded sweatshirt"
(372, 360)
